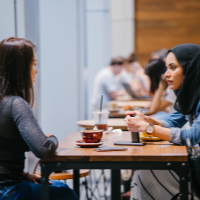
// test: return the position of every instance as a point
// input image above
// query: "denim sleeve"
(177, 120)
(175, 136)
(193, 133)
(165, 124)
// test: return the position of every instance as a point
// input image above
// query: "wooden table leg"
(115, 185)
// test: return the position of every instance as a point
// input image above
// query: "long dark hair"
(16, 58)
(154, 69)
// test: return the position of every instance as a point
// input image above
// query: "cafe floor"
(98, 185)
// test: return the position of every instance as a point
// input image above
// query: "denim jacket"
(177, 121)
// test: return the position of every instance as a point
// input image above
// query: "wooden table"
(140, 104)
(115, 123)
(129, 98)
(122, 114)
(117, 114)
(155, 155)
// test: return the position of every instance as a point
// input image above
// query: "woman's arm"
(193, 132)
(140, 122)
(32, 178)
(169, 130)
(158, 103)
(30, 130)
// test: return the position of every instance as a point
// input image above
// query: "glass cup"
(101, 119)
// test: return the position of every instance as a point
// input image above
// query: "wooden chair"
(66, 175)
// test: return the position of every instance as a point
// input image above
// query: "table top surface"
(117, 114)
(115, 123)
(153, 151)
(127, 97)
(140, 104)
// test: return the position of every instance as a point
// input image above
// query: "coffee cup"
(112, 105)
(92, 136)
(101, 119)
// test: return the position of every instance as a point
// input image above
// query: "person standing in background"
(106, 85)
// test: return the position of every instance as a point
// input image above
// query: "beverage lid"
(103, 111)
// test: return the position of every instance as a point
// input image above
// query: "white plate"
(83, 144)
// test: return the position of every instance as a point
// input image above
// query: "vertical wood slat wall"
(164, 24)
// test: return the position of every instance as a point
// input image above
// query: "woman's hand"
(48, 135)
(137, 123)
(162, 83)
(32, 178)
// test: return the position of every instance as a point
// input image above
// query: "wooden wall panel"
(164, 24)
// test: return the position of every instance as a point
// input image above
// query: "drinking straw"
(101, 102)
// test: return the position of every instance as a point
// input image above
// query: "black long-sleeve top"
(20, 132)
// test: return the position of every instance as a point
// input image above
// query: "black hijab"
(188, 96)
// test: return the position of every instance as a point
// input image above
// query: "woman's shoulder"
(12, 97)
(15, 100)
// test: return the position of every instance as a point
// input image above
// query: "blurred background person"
(133, 73)
(159, 54)
(163, 97)
(106, 85)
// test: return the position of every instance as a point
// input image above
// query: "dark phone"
(135, 136)
(129, 143)
(132, 115)
(111, 149)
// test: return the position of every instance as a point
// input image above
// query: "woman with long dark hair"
(182, 75)
(163, 98)
(19, 129)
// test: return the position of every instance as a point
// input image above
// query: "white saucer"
(83, 144)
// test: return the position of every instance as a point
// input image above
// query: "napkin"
(117, 131)
(109, 130)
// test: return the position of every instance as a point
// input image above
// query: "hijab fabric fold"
(188, 96)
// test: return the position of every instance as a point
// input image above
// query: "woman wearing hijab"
(163, 98)
(182, 75)
(19, 129)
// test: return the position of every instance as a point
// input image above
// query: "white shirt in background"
(104, 83)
